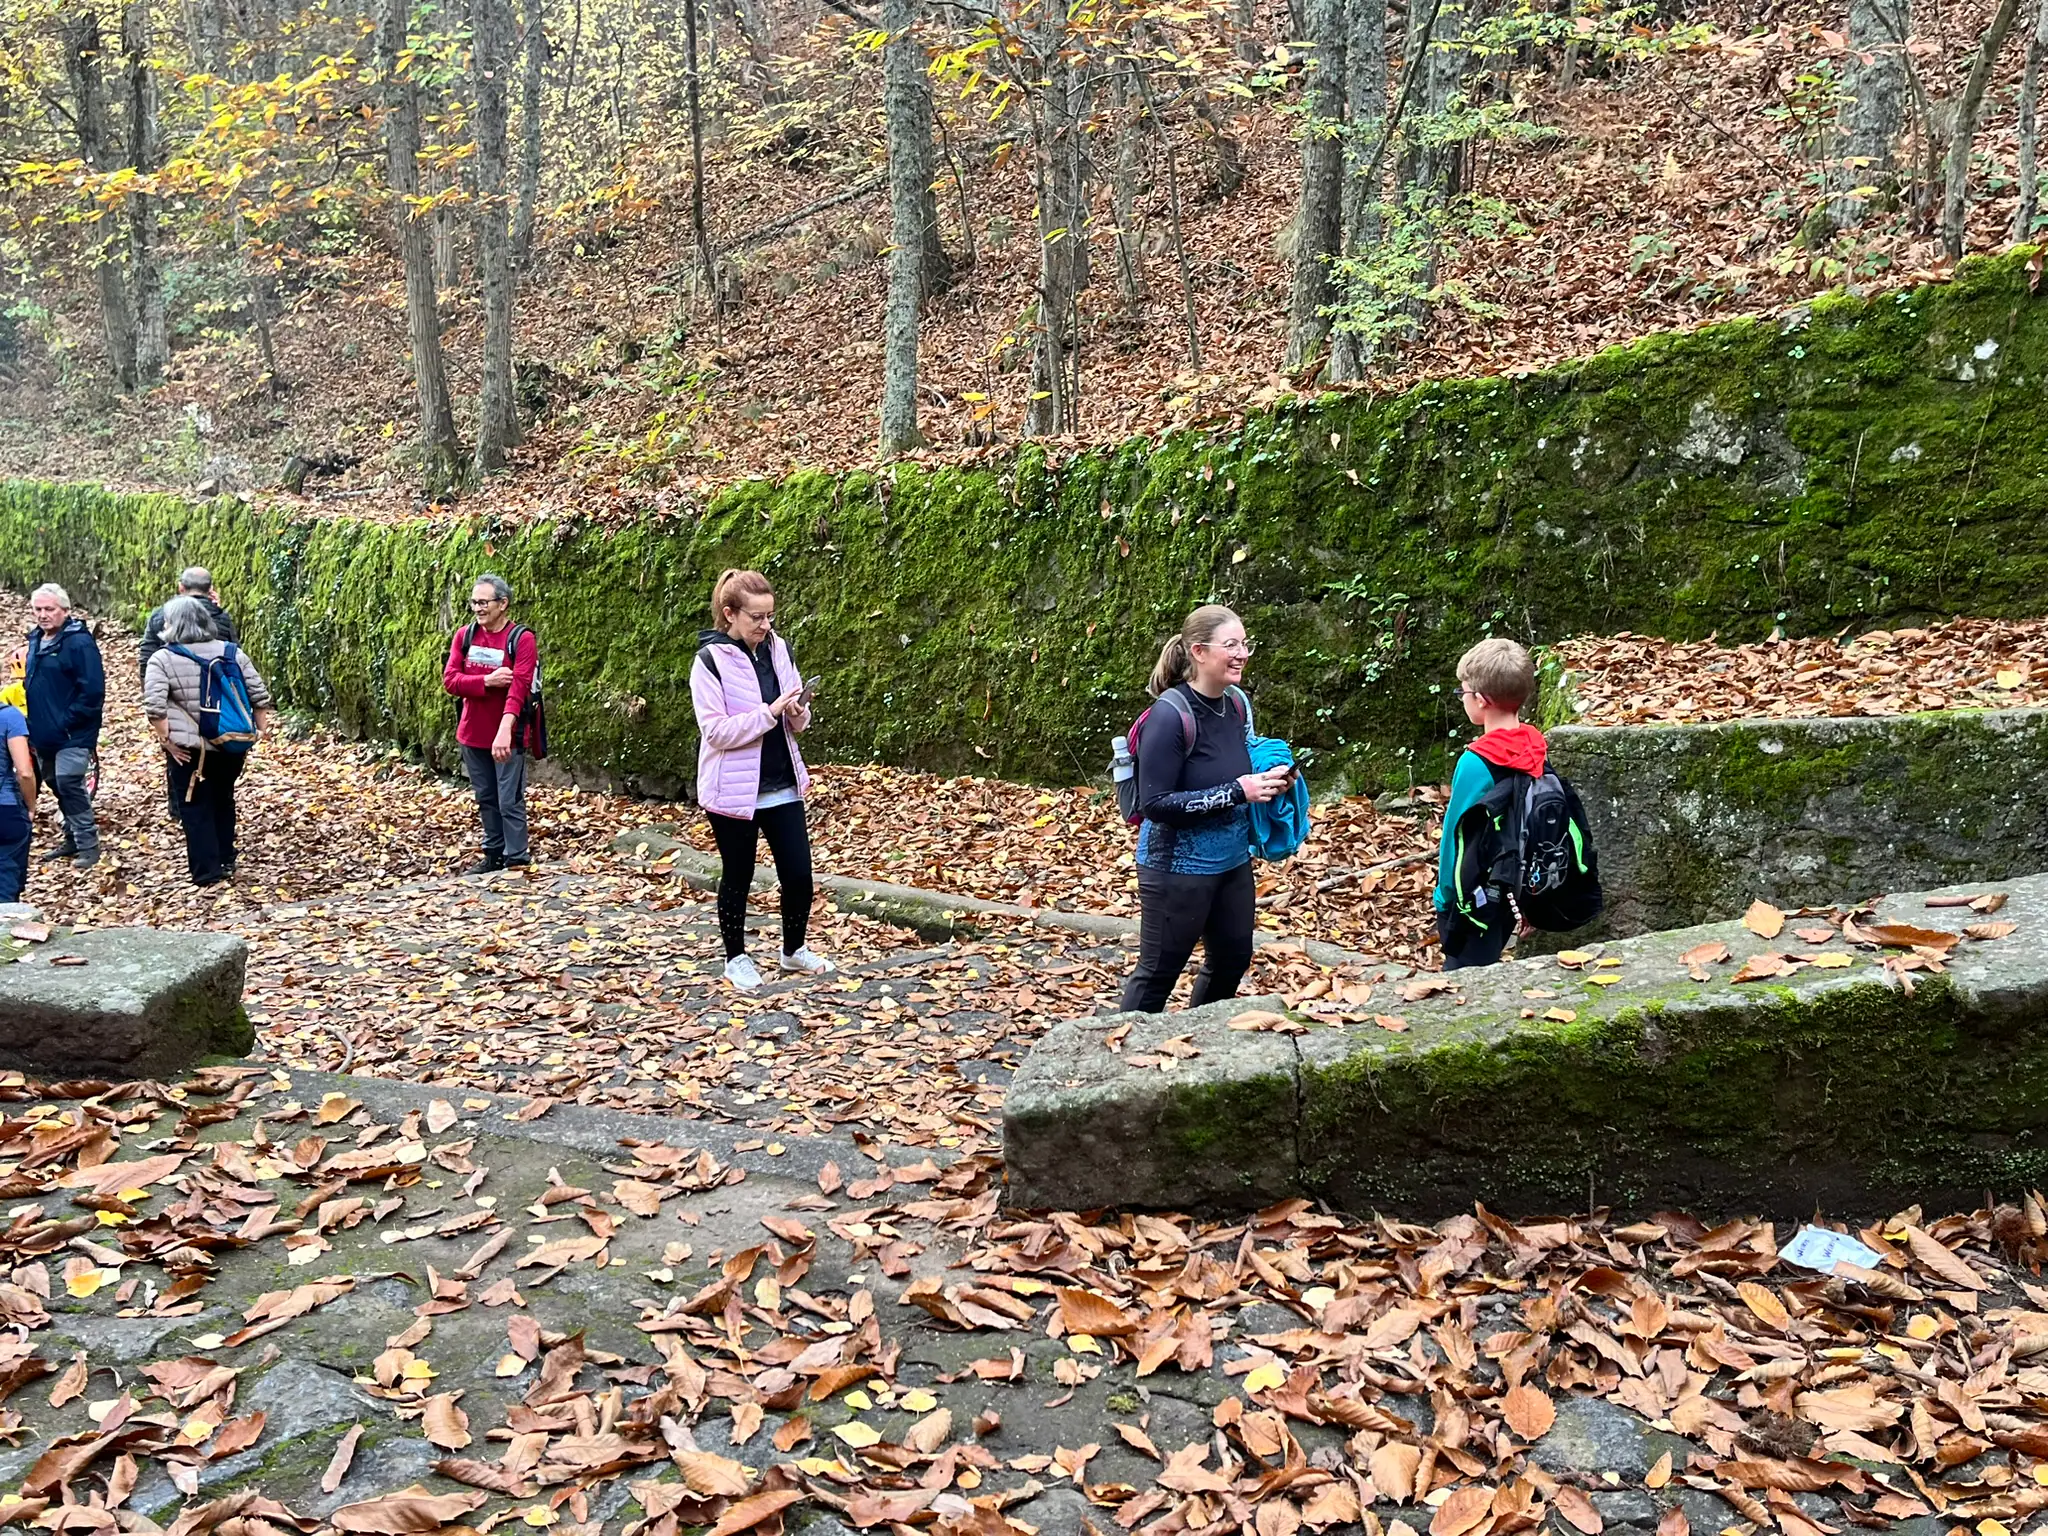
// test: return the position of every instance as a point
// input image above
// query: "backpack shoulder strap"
(1180, 707)
(463, 636)
(1244, 707)
(512, 642)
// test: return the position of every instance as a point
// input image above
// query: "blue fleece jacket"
(66, 688)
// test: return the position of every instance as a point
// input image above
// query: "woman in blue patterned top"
(1195, 781)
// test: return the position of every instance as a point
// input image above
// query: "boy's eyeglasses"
(1462, 692)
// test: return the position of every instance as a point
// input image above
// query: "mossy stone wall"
(1694, 822)
(1868, 461)
(1532, 1087)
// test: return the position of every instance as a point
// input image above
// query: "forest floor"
(467, 1286)
(1658, 193)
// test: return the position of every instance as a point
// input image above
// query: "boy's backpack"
(1526, 842)
(530, 728)
(1123, 766)
(226, 719)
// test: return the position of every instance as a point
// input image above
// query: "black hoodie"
(778, 768)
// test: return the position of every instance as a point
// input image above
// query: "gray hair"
(185, 621)
(497, 584)
(195, 578)
(51, 589)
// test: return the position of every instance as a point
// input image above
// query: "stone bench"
(145, 1003)
(1530, 1087)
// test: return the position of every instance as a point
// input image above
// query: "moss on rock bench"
(1693, 822)
(1530, 1086)
(124, 1003)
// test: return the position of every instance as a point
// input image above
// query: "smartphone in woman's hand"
(810, 687)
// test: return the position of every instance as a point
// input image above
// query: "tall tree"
(699, 234)
(1874, 102)
(1318, 215)
(145, 260)
(79, 36)
(2030, 127)
(1059, 128)
(1956, 193)
(532, 119)
(905, 110)
(490, 52)
(1366, 126)
(440, 449)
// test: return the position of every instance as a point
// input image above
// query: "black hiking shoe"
(489, 864)
(59, 853)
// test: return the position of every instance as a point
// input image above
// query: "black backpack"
(1526, 842)
(530, 728)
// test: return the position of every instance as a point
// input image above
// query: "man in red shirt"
(491, 667)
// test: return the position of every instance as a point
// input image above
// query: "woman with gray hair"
(202, 772)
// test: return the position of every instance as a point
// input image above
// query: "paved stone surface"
(135, 1002)
(1693, 822)
(1834, 1080)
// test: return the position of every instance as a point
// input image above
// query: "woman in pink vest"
(750, 777)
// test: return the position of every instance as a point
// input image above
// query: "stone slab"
(1693, 822)
(1531, 1088)
(146, 1003)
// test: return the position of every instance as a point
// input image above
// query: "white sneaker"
(740, 971)
(804, 960)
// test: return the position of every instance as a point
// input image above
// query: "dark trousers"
(1466, 945)
(206, 807)
(15, 831)
(63, 770)
(1177, 911)
(789, 842)
(500, 800)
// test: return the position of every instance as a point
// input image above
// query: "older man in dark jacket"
(194, 581)
(66, 684)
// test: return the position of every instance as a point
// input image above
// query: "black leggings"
(789, 842)
(1177, 910)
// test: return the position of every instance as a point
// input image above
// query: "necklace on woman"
(1219, 709)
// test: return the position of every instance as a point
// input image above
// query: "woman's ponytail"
(1171, 668)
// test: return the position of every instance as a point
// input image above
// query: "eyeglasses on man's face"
(485, 602)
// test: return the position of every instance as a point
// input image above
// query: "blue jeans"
(15, 831)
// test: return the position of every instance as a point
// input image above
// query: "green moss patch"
(1531, 1087)
(1863, 461)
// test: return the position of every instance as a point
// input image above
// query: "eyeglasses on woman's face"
(1228, 647)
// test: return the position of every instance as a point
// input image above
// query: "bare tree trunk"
(903, 108)
(1956, 195)
(490, 52)
(2030, 109)
(697, 230)
(1062, 115)
(1123, 191)
(1365, 96)
(935, 266)
(145, 263)
(83, 58)
(532, 119)
(1229, 169)
(440, 450)
(1872, 115)
(1318, 216)
(1180, 245)
(1248, 48)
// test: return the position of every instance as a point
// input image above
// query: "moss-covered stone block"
(1865, 460)
(1532, 1086)
(1694, 822)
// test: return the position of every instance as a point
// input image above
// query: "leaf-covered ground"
(467, 1292)
(267, 1301)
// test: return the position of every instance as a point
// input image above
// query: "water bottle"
(1122, 765)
